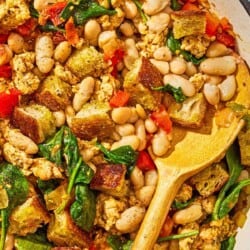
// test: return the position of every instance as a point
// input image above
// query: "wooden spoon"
(193, 153)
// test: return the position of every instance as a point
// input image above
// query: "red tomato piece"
(119, 99)
(144, 161)
(212, 24)
(71, 32)
(4, 38)
(190, 6)
(27, 28)
(167, 227)
(5, 71)
(53, 12)
(226, 39)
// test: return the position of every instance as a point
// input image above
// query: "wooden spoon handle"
(169, 181)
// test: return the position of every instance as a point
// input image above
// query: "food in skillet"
(87, 90)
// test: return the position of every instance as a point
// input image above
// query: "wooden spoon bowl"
(194, 152)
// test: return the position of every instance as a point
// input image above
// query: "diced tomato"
(5, 71)
(226, 39)
(225, 24)
(144, 161)
(71, 32)
(8, 101)
(58, 37)
(4, 38)
(27, 28)
(92, 247)
(119, 99)
(167, 227)
(162, 119)
(212, 24)
(190, 6)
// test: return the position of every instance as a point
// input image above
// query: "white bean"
(151, 178)
(86, 89)
(69, 113)
(214, 79)
(134, 115)
(92, 29)
(127, 29)
(179, 81)
(160, 143)
(62, 51)
(211, 93)
(158, 23)
(121, 115)
(16, 42)
(39, 5)
(137, 178)
(60, 118)
(131, 140)
(190, 69)
(145, 194)
(125, 129)
(140, 131)
(5, 54)
(163, 54)
(150, 126)
(223, 66)
(228, 88)
(44, 52)
(187, 215)
(162, 66)
(105, 37)
(130, 9)
(151, 7)
(131, 53)
(217, 49)
(141, 111)
(130, 219)
(178, 66)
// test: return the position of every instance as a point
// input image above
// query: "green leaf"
(180, 205)
(47, 186)
(49, 27)
(191, 58)
(175, 92)
(178, 236)
(83, 209)
(228, 244)
(119, 243)
(139, 8)
(33, 12)
(175, 5)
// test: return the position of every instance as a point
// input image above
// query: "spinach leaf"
(175, 5)
(235, 167)
(83, 209)
(178, 236)
(175, 92)
(139, 8)
(228, 244)
(49, 27)
(33, 12)
(17, 187)
(47, 186)
(191, 58)
(229, 202)
(180, 205)
(122, 155)
(118, 243)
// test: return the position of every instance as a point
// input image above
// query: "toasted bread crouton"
(110, 178)
(54, 93)
(210, 179)
(190, 113)
(62, 231)
(188, 22)
(92, 121)
(35, 121)
(139, 81)
(244, 142)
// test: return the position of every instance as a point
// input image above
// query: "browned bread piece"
(139, 81)
(110, 178)
(188, 22)
(190, 113)
(92, 121)
(62, 231)
(35, 121)
(210, 179)
(54, 93)
(244, 142)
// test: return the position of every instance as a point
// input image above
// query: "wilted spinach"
(180, 205)
(139, 8)
(118, 243)
(47, 186)
(178, 236)
(175, 5)
(17, 187)
(228, 244)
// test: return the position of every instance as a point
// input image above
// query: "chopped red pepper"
(5, 71)
(144, 161)
(71, 32)
(4, 38)
(167, 227)
(8, 101)
(212, 24)
(27, 28)
(190, 6)
(162, 119)
(226, 39)
(119, 99)
(58, 37)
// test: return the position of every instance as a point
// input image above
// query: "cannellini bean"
(187, 215)
(223, 66)
(214, 79)
(5, 54)
(145, 194)
(86, 89)
(151, 178)
(60, 118)
(62, 51)
(162, 66)
(105, 37)
(190, 69)
(211, 93)
(158, 22)
(141, 111)
(150, 126)
(87, 154)
(39, 5)
(44, 52)
(137, 178)
(179, 81)
(131, 53)
(92, 29)
(140, 131)
(16, 42)
(228, 88)
(130, 9)
(127, 29)
(134, 115)
(217, 49)
(178, 66)
(151, 7)
(69, 113)
(125, 129)
(163, 54)
(121, 115)
(160, 143)
(131, 140)
(130, 219)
